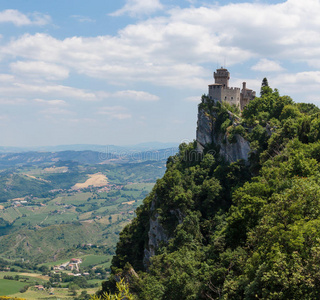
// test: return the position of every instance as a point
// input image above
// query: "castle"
(220, 90)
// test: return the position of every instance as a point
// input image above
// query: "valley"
(53, 212)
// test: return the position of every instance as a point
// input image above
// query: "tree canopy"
(241, 230)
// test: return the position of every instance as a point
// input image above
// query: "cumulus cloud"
(13, 100)
(178, 48)
(20, 19)
(22, 90)
(6, 78)
(136, 95)
(50, 102)
(301, 82)
(39, 69)
(115, 112)
(266, 65)
(138, 7)
(58, 90)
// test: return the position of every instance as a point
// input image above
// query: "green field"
(44, 222)
(50, 227)
(95, 260)
(58, 293)
(9, 287)
(33, 294)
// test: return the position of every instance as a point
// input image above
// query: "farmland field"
(95, 260)
(9, 287)
(53, 212)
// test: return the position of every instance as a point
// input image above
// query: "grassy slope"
(39, 233)
(42, 233)
(9, 287)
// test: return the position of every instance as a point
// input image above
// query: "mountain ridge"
(221, 228)
(91, 147)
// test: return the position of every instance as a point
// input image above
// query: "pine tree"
(264, 84)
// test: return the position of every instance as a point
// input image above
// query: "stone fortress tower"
(220, 90)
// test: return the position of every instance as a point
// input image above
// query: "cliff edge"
(211, 134)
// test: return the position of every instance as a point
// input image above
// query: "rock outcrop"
(208, 134)
(156, 234)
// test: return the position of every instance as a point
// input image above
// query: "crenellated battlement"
(233, 88)
(220, 90)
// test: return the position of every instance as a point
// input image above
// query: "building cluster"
(220, 90)
(73, 264)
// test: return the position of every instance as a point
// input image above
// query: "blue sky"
(132, 71)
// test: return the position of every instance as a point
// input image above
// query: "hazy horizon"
(96, 147)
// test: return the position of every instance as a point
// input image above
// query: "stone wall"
(220, 90)
(215, 91)
(231, 95)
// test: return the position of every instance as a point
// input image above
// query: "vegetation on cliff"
(241, 230)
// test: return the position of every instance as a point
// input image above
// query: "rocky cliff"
(156, 234)
(218, 230)
(208, 133)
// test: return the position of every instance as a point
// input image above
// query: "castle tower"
(246, 95)
(220, 90)
(222, 77)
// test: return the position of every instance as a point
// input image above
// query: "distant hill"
(97, 148)
(83, 157)
(42, 215)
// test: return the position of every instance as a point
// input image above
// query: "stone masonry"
(220, 90)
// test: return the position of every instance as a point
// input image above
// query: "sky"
(132, 71)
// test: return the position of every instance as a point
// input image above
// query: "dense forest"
(235, 230)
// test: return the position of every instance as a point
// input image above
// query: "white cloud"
(13, 101)
(301, 82)
(115, 112)
(51, 102)
(39, 69)
(6, 78)
(180, 48)
(129, 95)
(55, 90)
(266, 65)
(17, 90)
(136, 95)
(138, 7)
(20, 19)
(120, 59)
(40, 19)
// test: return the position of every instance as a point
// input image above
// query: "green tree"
(122, 293)
(264, 86)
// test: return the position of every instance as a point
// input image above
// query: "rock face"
(207, 134)
(156, 235)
